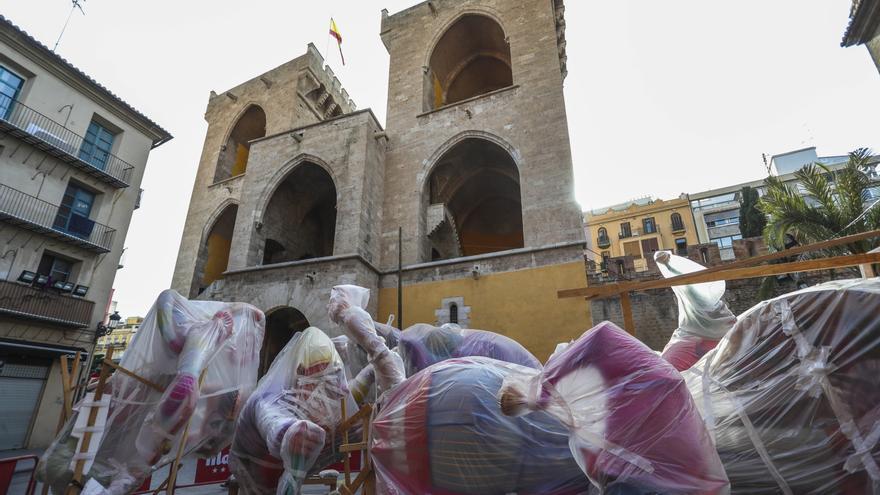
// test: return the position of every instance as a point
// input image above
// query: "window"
(96, 146)
(625, 230)
(649, 247)
(727, 241)
(649, 225)
(73, 214)
(632, 249)
(681, 246)
(453, 313)
(677, 222)
(10, 85)
(603, 237)
(56, 267)
(722, 221)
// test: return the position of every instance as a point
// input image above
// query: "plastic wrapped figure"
(791, 392)
(205, 355)
(287, 428)
(423, 345)
(634, 427)
(703, 318)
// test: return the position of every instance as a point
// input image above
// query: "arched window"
(677, 223)
(300, 219)
(213, 257)
(471, 58)
(453, 313)
(604, 240)
(234, 153)
(475, 188)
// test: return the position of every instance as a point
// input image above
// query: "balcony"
(34, 214)
(49, 136)
(604, 242)
(44, 305)
(676, 228)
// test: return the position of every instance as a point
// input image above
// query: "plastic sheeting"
(442, 432)
(179, 344)
(423, 345)
(634, 427)
(287, 428)
(703, 318)
(791, 392)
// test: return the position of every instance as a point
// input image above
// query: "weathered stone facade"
(478, 186)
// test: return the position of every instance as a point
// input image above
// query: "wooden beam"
(627, 310)
(153, 385)
(67, 408)
(617, 288)
(704, 276)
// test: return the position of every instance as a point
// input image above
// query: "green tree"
(751, 219)
(832, 205)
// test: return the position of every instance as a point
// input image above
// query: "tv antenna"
(77, 4)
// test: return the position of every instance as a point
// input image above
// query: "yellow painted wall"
(218, 257)
(520, 304)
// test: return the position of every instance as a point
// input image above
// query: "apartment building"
(72, 156)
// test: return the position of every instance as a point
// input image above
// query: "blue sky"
(662, 97)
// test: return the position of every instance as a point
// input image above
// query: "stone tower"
(478, 167)
(297, 192)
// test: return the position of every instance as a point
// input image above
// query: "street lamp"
(102, 330)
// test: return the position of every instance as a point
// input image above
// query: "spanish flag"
(334, 31)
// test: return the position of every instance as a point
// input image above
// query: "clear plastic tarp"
(791, 396)
(703, 317)
(423, 345)
(442, 432)
(287, 429)
(633, 425)
(204, 355)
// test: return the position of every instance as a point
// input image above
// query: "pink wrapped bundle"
(633, 424)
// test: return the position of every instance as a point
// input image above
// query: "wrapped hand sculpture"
(633, 425)
(703, 318)
(287, 427)
(205, 356)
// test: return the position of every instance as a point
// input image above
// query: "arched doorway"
(281, 325)
(472, 202)
(234, 153)
(471, 58)
(213, 257)
(300, 218)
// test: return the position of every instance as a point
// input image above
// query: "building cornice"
(864, 22)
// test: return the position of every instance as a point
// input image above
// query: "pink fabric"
(650, 413)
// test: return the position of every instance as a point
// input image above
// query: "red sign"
(213, 468)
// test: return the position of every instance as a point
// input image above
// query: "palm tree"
(834, 204)
(751, 220)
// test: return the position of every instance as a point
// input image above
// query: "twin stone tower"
(297, 191)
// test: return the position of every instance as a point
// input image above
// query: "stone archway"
(472, 202)
(234, 153)
(281, 325)
(300, 218)
(471, 58)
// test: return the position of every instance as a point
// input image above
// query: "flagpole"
(327, 45)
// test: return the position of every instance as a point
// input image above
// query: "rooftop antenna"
(76, 5)
(766, 163)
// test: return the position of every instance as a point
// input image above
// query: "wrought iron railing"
(44, 132)
(33, 213)
(44, 304)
